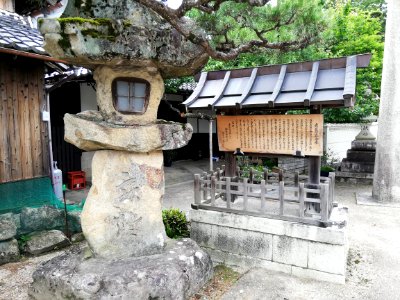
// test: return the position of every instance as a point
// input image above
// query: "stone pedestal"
(176, 273)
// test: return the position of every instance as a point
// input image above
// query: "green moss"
(64, 43)
(97, 35)
(107, 33)
(127, 23)
(79, 20)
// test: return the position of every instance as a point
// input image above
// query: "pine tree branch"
(189, 29)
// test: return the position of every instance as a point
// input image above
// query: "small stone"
(9, 251)
(46, 241)
(77, 237)
(7, 229)
(41, 218)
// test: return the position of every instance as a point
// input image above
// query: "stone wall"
(35, 227)
(244, 242)
(292, 164)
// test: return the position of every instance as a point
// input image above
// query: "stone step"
(363, 145)
(361, 156)
(352, 166)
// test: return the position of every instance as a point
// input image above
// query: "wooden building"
(24, 136)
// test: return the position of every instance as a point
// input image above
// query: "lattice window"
(131, 95)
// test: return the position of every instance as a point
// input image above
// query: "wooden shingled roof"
(324, 83)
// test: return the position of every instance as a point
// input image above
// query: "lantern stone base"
(176, 273)
(122, 214)
(246, 242)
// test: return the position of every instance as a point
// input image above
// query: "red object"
(76, 180)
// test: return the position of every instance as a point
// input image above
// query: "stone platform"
(178, 272)
(302, 250)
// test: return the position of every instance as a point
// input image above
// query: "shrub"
(175, 222)
(327, 169)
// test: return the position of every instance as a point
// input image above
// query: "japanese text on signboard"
(278, 134)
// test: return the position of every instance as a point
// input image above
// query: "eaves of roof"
(325, 83)
(18, 37)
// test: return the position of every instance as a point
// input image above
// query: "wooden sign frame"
(298, 135)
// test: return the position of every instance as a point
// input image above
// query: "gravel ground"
(16, 277)
(373, 265)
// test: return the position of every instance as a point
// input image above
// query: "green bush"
(175, 222)
(327, 169)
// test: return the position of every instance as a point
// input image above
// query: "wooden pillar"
(230, 168)
(314, 169)
(314, 162)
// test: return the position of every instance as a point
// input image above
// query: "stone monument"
(129, 256)
(358, 166)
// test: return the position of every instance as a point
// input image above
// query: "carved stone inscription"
(278, 134)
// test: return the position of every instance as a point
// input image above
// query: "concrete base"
(177, 273)
(367, 199)
(244, 242)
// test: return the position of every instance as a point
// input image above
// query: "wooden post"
(314, 169)
(251, 177)
(204, 186)
(265, 174)
(197, 195)
(280, 175)
(324, 194)
(301, 200)
(218, 178)
(296, 182)
(263, 194)
(210, 134)
(281, 197)
(228, 192)
(230, 169)
(212, 192)
(245, 198)
(332, 176)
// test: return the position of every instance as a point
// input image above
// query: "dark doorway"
(65, 99)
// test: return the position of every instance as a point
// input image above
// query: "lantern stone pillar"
(387, 162)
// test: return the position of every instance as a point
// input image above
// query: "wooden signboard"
(277, 134)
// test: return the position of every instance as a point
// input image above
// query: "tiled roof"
(16, 32)
(326, 83)
(188, 86)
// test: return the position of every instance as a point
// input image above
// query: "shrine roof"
(324, 83)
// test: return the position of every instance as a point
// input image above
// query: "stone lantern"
(130, 50)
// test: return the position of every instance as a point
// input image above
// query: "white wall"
(201, 126)
(338, 137)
